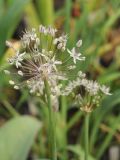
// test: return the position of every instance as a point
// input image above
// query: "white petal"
(68, 51)
(20, 73)
(9, 44)
(16, 87)
(11, 82)
(79, 43)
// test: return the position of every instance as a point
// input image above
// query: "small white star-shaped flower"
(105, 90)
(75, 55)
(52, 63)
(17, 59)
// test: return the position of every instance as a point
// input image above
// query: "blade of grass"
(10, 108)
(109, 77)
(68, 4)
(106, 107)
(1, 8)
(32, 16)
(23, 98)
(110, 22)
(78, 150)
(63, 115)
(45, 11)
(114, 126)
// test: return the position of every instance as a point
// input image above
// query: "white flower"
(17, 59)
(36, 86)
(105, 90)
(43, 29)
(59, 46)
(84, 82)
(51, 31)
(81, 74)
(30, 37)
(75, 55)
(61, 42)
(53, 63)
(92, 87)
(32, 34)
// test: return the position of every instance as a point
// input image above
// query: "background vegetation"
(97, 23)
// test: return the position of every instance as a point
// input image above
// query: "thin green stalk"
(52, 138)
(86, 136)
(68, 5)
(10, 108)
(114, 126)
(64, 117)
(64, 107)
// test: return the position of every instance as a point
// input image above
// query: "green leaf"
(32, 17)
(108, 77)
(109, 23)
(78, 150)
(17, 137)
(68, 5)
(1, 8)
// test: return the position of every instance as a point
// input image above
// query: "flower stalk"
(86, 136)
(52, 138)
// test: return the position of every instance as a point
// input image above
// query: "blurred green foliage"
(17, 137)
(96, 23)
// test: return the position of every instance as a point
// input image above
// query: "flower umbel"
(40, 60)
(75, 55)
(90, 92)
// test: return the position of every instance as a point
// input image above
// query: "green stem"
(52, 138)
(86, 135)
(64, 133)
(10, 108)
